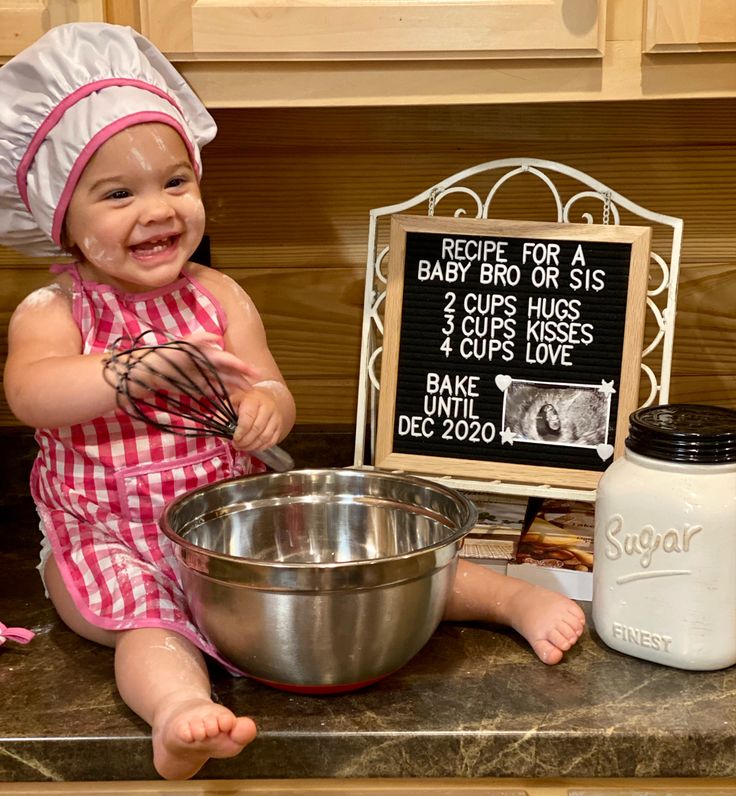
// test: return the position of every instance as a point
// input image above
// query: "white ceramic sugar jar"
(664, 579)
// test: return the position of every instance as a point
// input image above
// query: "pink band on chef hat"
(96, 142)
(53, 118)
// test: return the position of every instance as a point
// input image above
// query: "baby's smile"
(154, 246)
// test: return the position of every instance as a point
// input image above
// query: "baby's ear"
(68, 245)
(65, 239)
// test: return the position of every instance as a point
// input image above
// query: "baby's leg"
(68, 611)
(163, 678)
(550, 622)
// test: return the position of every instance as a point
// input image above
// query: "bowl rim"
(193, 550)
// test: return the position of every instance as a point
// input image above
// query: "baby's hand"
(150, 367)
(259, 419)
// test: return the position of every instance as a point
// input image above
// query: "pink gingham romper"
(100, 487)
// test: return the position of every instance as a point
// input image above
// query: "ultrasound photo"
(556, 414)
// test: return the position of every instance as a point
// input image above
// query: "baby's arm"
(266, 410)
(48, 381)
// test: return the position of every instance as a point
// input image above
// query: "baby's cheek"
(192, 210)
(98, 252)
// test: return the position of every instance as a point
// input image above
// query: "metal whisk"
(196, 395)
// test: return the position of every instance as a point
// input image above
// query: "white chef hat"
(60, 100)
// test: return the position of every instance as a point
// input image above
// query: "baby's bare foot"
(549, 621)
(189, 733)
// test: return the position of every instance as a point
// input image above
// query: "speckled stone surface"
(475, 702)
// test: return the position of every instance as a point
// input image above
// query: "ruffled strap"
(67, 268)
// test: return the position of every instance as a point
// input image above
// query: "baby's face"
(136, 213)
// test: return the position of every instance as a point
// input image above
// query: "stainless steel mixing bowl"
(319, 580)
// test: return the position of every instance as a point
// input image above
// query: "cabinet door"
(690, 26)
(23, 21)
(343, 29)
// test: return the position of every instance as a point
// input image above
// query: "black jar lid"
(694, 433)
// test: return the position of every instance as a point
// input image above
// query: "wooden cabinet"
(338, 53)
(23, 21)
(690, 26)
(336, 29)
(299, 53)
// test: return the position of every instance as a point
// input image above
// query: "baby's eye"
(176, 182)
(119, 193)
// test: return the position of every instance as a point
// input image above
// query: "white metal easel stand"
(661, 295)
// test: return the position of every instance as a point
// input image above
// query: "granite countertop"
(475, 702)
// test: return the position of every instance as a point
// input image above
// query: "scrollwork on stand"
(608, 208)
(436, 198)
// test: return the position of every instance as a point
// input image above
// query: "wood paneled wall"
(288, 193)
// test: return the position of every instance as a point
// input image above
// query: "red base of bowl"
(317, 690)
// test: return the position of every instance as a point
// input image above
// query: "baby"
(100, 159)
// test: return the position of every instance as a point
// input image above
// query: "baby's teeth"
(156, 247)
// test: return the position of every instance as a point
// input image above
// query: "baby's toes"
(243, 730)
(184, 732)
(197, 731)
(571, 630)
(559, 639)
(212, 726)
(575, 615)
(547, 652)
(226, 722)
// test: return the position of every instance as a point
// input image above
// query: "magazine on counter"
(556, 549)
(493, 541)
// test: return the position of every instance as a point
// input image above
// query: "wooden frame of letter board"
(628, 390)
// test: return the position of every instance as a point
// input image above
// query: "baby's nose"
(155, 209)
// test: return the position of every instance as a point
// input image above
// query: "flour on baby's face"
(98, 253)
(140, 158)
(136, 213)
